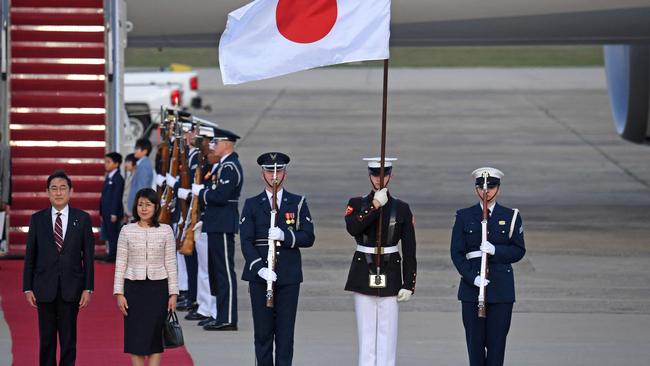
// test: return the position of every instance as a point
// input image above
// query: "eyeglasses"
(56, 189)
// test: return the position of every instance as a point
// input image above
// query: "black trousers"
(486, 338)
(223, 280)
(276, 323)
(192, 265)
(57, 318)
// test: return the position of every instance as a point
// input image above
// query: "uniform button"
(277, 253)
(358, 259)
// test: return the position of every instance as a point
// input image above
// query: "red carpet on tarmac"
(100, 327)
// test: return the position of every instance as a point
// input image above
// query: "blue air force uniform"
(295, 221)
(486, 337)
(220, 198)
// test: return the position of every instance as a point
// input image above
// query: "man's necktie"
(58, 232)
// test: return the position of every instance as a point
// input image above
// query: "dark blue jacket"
(254, 230)
(220, 197)
(110, 202)
(466, 237)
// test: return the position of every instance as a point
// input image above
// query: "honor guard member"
(486, 337)
(376, 294)
(220, 196)
(206, 311)
(294, 230)
(188, 263)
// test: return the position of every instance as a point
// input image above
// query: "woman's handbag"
(172, 332)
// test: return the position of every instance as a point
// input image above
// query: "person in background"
(146, 281)
(110, 203)
(129, 169)
(143, 176)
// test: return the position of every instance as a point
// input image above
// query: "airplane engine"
(628, 81)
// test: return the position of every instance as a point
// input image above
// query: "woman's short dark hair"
(58, 174)
(150, 195)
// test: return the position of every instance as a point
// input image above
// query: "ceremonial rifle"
(163, 147)
(165, 216)
(193, 214)
(482, 311)
(185, 183)
(270, 255)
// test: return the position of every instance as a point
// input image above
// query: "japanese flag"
(268, 38)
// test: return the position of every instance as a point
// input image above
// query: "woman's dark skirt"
(143, 327)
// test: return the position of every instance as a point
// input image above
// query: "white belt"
(474, 254)
(373, 250)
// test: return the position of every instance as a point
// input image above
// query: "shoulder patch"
(349, 210)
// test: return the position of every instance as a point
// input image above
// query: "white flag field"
(268, 38)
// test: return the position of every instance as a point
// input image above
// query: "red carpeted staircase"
(57, 103)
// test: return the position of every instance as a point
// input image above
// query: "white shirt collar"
(490, 208)
(224, 157)
(64, 212)
(112, 173)
(140, 160)
(269, 195)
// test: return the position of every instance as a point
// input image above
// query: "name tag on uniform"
(502, 222)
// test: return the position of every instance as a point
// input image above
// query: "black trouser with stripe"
(276, 323)
(486, 337)
(223, 280)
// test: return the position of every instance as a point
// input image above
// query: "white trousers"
(376, 329)
(207, 302)
(183, 284)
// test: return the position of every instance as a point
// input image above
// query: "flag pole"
(382, 159)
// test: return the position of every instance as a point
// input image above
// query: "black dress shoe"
(206, 321)
(220, 326)
(183, 305)
(182, 296)
(193, 315)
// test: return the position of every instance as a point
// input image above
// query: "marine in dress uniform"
(486, 337)
(376, 303)
(294, 230)
(220, 196)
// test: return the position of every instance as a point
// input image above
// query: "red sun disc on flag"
(305, 21)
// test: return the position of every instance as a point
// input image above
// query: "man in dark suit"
(486, 337)
(58, 273)
(293, 229)
(110, 203)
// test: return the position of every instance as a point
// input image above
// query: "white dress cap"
(376, 162)
(492, 172)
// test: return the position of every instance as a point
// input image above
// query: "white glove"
(159, 180)
(487, 247)
(171, 181)
(477, 281)
(183, 193)
(196, 188)
(404, 295)
(381, 196)
(267, 275)
(275, 233)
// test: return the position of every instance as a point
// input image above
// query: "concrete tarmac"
(583, 288)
